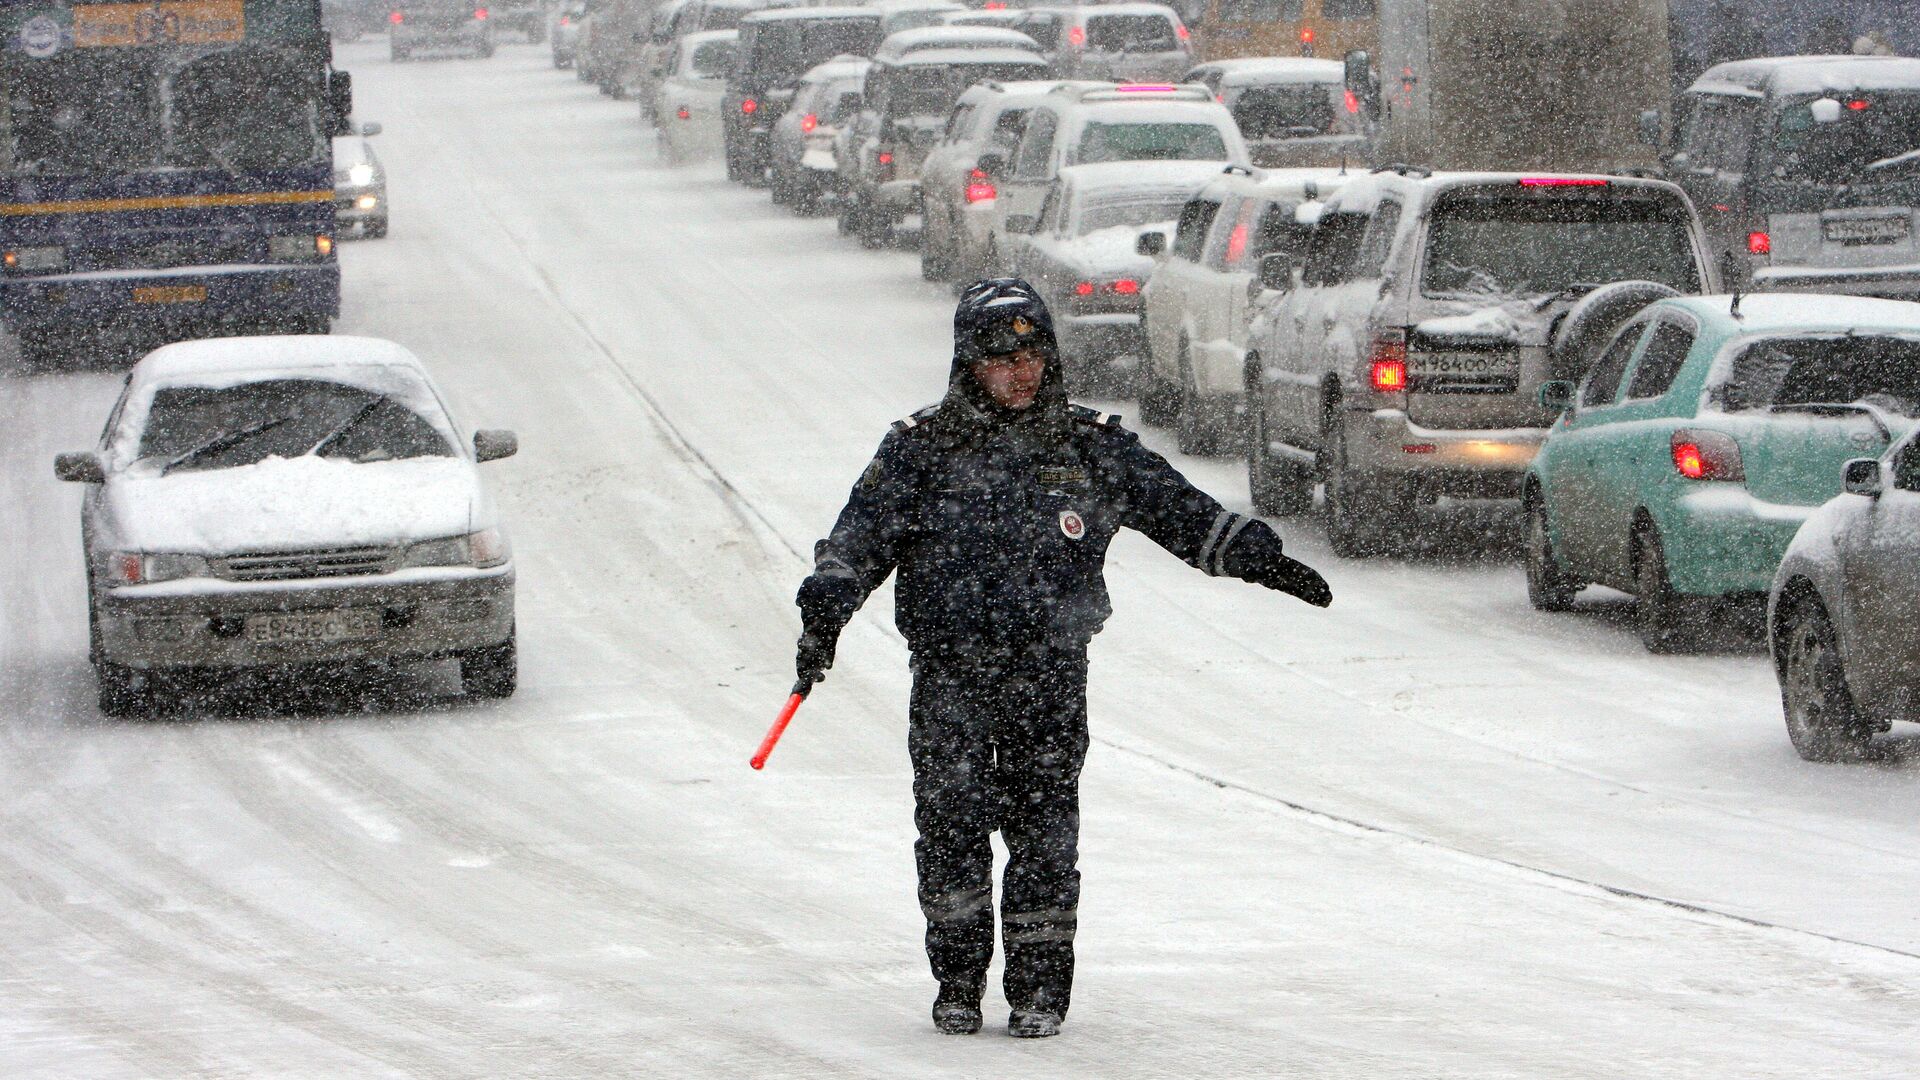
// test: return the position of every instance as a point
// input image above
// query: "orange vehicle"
(1325, 28)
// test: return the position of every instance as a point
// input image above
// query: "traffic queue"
(1224, 242)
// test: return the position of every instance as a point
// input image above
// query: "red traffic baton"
(780, 724)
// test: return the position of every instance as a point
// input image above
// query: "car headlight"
(481, 550)
(360, 175)
(299, 247)
(145, 568)
(26, 259)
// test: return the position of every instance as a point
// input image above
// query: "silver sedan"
(271, 501)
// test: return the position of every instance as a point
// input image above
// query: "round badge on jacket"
(1071, 525)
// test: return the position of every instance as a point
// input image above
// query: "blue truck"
(166, 171)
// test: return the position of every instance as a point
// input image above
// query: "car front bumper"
(202, 624)
(1466, 464)
(1102, 337)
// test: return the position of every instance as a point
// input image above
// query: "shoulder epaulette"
(908, 423)
(1093, 416)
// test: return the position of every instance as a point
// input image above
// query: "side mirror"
(1652, 129)
(1276, 271)
(1556, 395)
(82, 467)
(1151, 244)
(1023, 224)
(992, 164)
(370, 128)
(492, 444)
(1861, 476)
(339, 103)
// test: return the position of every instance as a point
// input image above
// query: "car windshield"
(1877, 136)
(1150, 142)
(1285, 112)
(1542, 247)
(1877, 372)
(1133, 209)
(199, 427)
(1131, 33)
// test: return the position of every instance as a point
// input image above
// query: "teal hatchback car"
(1706, 431)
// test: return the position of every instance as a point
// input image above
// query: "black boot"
(957, 1010)
(1033, 1023)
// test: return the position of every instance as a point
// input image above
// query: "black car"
(776, 48)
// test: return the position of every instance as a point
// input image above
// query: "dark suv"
(776, 48)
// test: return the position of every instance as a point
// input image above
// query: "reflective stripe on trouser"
(999, 744)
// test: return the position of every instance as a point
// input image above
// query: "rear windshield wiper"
(1830, 408)
(223, 441)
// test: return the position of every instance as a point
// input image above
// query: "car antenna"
(1343, 162)
(1733, 309)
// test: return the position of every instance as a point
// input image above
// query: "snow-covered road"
(1428, 832)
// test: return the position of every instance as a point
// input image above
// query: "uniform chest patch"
(1071, 524)
(1056, 475)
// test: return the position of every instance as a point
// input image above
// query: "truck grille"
(289, 565)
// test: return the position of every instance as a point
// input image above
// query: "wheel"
(935, 263)
(844, 221)
(1279, 488)
(483, 51)
(1195, 433)
(1667, 619)
(1548, 587)
(873, 226)
(1822, 720)
(779, 186)
(581, 71)
(492, 671)
(1354, 507)
(1159, 399)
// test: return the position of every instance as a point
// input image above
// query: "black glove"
(1295, 578)
(814, 657)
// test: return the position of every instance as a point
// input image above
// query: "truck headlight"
(299, 247)
(145, 568)
(360, 175)
(481, 550)
(29, 259)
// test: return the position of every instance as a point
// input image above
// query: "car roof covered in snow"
(1809, 75)
(1113, 175)
(1001, 57)
(1256, 70)
(701, 37)
(903, 42)
(806, 14)
(1091, 12)
(1814, 313)
(836, 69)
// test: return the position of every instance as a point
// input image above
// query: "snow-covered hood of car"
(295, 504)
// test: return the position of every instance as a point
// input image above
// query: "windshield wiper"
(223, 441)
(1832, 407)
(1905, 159)
(359, 414)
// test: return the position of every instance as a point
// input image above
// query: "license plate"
(1467, 365)
(296, 627)
(1880, 230)
(169, 294)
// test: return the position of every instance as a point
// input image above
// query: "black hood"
(997, 316)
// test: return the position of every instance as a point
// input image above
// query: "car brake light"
(683, 114)
(1387, 366)
(808, 123)
(1857, 105)
(1237, 242)
(1144, 88)
(566, 20)
(994, 5)
(396, 18)
(1353, 103)
(1185, 34)
(981, 191)
(1564, 181)
(480, 13)
(1126, 287)
(1083, 288)
(1306, 36)
(884, 157)
(126, 568)
(1076, 36)
(1707, 455)
(1759, 243)
(749, 106)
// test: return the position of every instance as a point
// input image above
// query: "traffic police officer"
(996, 507)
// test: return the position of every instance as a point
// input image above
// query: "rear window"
(933, 91)
(1848, 371)
(196, 427)
(1131, 33)
(1150, 142)
(1545, 246)
(1284, 112)
(1044, 30)
(783, 49)
(1876, 138)
(712, 59)
(1133, 210)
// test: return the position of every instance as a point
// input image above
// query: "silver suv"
(1402, 358)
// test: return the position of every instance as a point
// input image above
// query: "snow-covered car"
(956, 196)
(563, 31)
(1080, 251)
(359, 183)
(1293, 111)
(908, 94)
(687, 109)
(1200, 297)
(1840, 612)
(1402, 361)
(800, 147)
(269, 501)
(436, 24)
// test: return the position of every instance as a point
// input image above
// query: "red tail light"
(1387, 369)
(1857, 105)
(1076, 36)
(396, 18)
(1083, 288)
(981, 191)
(1306, 36)
(994, 5)
(1353, 103)
(480, 14)
(1759, 243)
(683, 113)
(749, 106)
(1126, 287)
(1707, 455)
(1564, 181)
(566, 20)
(808, 123)
(1184, 33)
(884, 157)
